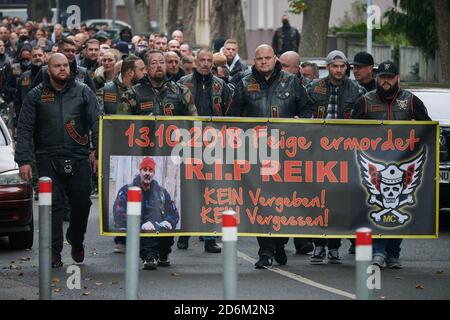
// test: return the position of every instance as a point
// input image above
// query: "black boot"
(212, 247)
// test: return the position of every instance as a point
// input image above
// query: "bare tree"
(138, 16)
(172, 15)
(189, 18)
(227, 20)
(316, 17)
(39, 9)
(442, 10)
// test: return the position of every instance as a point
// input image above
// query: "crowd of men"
(59, 84)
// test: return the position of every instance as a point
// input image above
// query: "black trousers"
(331, 243)
(77, 188)
(154, 247)
(267, 245)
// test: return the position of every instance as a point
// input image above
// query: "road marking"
(301, 279)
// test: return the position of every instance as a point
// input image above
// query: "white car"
(437, 102)
(98, 23)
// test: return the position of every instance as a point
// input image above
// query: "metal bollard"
(133, 238)
(45, 238)
(363, 261)
(229, 240)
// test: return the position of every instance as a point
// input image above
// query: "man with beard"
(389, 102)
(156, 95)
(212, 97)
(67, 48)
(286, 38)
(38, 58)
(54, 124)
(91, 50)
(109, 97)
(334, 97)
(158, 214)
(15, 70)
(255, 97)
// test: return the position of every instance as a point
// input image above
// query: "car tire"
(22, 240)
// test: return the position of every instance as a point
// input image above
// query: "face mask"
(26, 63)
(23, 38)
(285, 23)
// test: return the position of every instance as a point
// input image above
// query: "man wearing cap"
(156, 95)
(389, 102)
(159, 213)
(334, 97)
(363, 70)
(20, 65)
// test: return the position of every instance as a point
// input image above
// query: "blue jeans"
(388, 248)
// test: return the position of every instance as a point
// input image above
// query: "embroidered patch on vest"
(347, 113)
(218, 106)
(110, 97)
(217, 88)
(25, 81)
(253, 87)
(320, 90)
(403, 104)
(70, 126)
(47, 96)
(321, 112)
(274, 112)
(146, 105)
(376, 108)
(168, 109)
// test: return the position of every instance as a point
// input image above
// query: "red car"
(16, 197)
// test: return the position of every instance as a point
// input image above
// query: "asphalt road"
(197, 275)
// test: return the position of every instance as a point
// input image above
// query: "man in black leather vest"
(155, 95)
(56, 117)
(109, 97)
(389, 102)
(212, 97)
(272, 93)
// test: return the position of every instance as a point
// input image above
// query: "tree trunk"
(129, 5)
(142, 19)
(39, 9)
(172, 16)
(442, 10)
(189, 18)
(227, 21)
(316, 17)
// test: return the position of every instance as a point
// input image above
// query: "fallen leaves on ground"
(419, 286)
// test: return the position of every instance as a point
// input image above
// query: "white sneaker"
(119, 248)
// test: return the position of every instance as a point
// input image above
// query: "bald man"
(54, 123)
(270, 92)
(290, 61)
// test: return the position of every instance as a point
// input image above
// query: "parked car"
(16, 197)
(99, 23)
(437, 102)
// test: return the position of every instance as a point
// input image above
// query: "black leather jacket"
(282, 96)
(319, 92)
(211, 94)
(58, 121)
